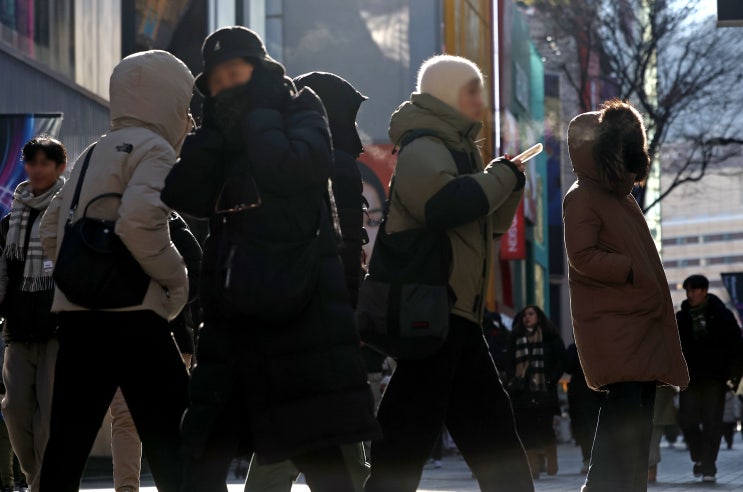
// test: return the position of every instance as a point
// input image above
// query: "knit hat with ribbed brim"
(232, 42)
(443, 76)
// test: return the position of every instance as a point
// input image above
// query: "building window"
(275, 28)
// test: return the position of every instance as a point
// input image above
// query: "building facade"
(703, 229)
(56, 57)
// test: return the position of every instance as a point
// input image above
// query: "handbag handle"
(79, 187)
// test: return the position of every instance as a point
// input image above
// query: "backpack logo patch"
(125, 147)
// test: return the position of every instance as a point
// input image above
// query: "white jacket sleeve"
(143, 227)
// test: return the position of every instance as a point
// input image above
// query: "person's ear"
(61, 168)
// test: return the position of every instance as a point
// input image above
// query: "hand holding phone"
(521, 159)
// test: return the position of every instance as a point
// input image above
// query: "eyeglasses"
(239, 193)
(374, 217)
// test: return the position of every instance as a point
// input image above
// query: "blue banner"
(734, 284)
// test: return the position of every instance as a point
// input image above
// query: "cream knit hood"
(444, 75)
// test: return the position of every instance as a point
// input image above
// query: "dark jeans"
(621, 448)
(701, 408)
(458, 387)
(99, 352)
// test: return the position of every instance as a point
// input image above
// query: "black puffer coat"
(304, 381)
(342, 102)
(717, 355)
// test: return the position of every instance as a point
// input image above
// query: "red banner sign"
(513, 242)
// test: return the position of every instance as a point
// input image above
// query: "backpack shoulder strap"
(406, 139)
(412, 135)
(80, 179)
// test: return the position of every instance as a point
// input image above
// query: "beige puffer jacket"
(150, 94)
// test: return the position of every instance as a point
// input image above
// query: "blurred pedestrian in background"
(731, 417)
(621, 305)
(536, 354)
(713, 347)
(664, 415)
(7, 475)
(584, 405)
(26, 295)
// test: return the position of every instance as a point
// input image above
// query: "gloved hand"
(265, 90)
(520, 175)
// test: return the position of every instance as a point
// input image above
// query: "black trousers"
(99, 352)
(230, 435)
(536, 427)
(701, 409)
(460, 388)
(621, 448)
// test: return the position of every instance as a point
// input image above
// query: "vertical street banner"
(734, 284)
(513, 242)
(15, 131)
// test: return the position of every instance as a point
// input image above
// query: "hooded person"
(442, 184)
(342, 102)
(149, 94)
(623, 317)
(279, 369)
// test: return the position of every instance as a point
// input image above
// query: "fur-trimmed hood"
(583, 134)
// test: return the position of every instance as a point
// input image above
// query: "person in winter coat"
(583, 405)
(665, 414)
(285, 382)
(713, 347)
(126, 447)
(536, 361)
(441, 183)
(730, 418)
(26, 293)
(621, 305)
(341, 101)
(130, 348)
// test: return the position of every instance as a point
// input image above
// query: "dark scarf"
(699, 320)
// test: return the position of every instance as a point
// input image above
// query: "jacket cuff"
(520, 177)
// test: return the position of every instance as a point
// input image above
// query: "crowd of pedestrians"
(250, 347)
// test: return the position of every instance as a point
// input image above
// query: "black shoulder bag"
(405, 300)
(94, 269)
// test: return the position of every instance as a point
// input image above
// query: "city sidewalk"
(674, 474)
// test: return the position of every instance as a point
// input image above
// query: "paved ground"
(674, 474)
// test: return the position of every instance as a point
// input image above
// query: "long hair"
(519, 330)
(621, 145)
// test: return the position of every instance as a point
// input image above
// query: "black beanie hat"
(232, 42)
